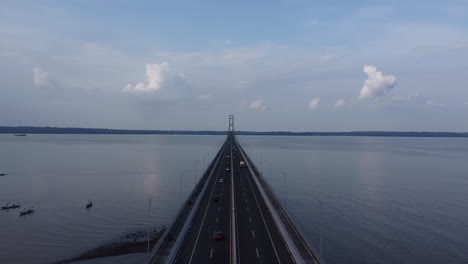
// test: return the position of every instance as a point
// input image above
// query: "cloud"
(434, 104)
(258, 104)
(377, 84)
(340, 103)
(156, 74)
(41, 78)
(313, 104)
(8, 54)
(205, 97)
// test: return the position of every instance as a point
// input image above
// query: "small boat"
(8, 206)
(26, 212)
(20, 135)
(2, 174)
(89, 204)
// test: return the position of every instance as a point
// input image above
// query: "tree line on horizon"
(71, 130)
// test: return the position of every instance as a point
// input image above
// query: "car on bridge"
(216, 198)
(218, 235)
(221, 180)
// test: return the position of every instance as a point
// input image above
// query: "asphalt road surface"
(258, 240)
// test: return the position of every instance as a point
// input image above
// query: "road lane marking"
(253, 233)
(250, 219)
(248, 210)
(258, 256)
(211, 254)
(242, 154)
(206, 210)
(216, 219)
(245, 200)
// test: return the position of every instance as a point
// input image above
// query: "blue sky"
(276, 65)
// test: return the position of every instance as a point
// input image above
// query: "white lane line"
(253, 233)
(258, 256)
(211, 254)
(250, 219)
(261, 214)
(248, 210)
(204, 216)
(216, 219)
(245, 200)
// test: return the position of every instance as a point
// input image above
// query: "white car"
(221, 180)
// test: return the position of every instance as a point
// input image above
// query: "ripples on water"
(384, 200)
(57, 174)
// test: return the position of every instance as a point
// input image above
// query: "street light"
(180, 190)
(196, 172)
(149, 223)
(270, 173)
(284, 173)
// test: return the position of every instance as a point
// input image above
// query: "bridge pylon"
(231, 124)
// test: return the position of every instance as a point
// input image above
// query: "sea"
(356, 200)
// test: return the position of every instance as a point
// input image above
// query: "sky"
(291, 65)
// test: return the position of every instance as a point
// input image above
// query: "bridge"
(232, 216)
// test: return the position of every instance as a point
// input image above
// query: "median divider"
(157, 256)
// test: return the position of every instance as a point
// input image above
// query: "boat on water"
(20, 135)
(2, 174)
(89, 204)
(12, 206)
(26, 212)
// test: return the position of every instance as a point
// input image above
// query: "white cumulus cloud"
(258, 104)
(205, 97)
(377, 84)
(434, 104)
(156, 74)
(41, 78)
(313, 104)
(339, 103)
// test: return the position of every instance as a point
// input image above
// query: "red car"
(218, 235)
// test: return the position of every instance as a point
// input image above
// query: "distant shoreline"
(106, 131)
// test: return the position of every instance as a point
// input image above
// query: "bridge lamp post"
(261, 164)
(149, 224)
(180, 186)
(196, 172)
(285, 194)
(321, 225)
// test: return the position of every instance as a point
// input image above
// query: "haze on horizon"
(288, 65)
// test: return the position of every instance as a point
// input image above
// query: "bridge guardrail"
(162, 240)
(180, 239)
(271, 198)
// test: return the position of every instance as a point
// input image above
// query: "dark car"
(216, 198)
(218, 235)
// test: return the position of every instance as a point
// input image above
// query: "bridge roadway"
(258, 239)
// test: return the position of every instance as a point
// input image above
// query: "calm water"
(57, 174)
(384, 200)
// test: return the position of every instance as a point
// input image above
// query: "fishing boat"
(26, 212)
(8, 206)
(89, 204)
(2, 174)
(20, 135)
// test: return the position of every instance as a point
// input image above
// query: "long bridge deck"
(238, 202)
